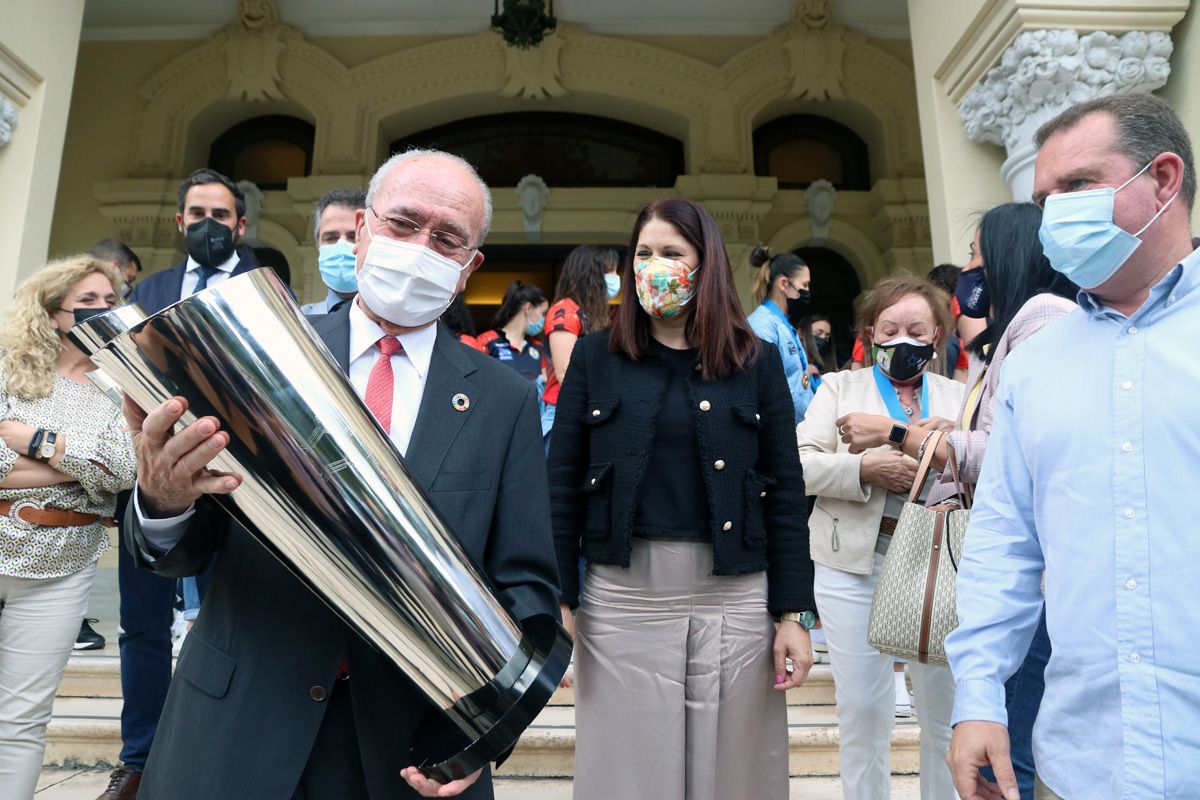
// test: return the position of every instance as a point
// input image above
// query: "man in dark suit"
(211, 217)
(263, 708)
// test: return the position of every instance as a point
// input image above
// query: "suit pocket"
(597, 499)
(599, 411)
(206, 667)
(462, 481)
(747, 413)
(757, 489)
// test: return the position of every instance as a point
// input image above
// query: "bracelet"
(921, 447)
(36, 442)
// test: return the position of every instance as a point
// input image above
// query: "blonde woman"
(64, 455)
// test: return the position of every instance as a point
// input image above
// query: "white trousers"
(865, 691)
(39, 622)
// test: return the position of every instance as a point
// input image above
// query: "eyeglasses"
(403, 229)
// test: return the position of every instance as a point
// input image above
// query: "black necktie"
(205, 274)
(337, 306)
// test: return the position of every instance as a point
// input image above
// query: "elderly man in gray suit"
(278, 697)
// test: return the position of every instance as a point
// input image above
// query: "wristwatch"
(807, 619)
(47, 447)
(897, 435)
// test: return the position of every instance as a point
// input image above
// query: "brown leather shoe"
(122, 785)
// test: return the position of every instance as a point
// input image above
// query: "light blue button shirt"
(332, 298)
(1092, 473)
(771, 324)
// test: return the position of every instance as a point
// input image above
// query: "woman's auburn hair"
(30, 344)
(892, 290)
(716, 325)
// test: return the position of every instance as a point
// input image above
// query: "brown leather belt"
(887, 525)
(53, 517)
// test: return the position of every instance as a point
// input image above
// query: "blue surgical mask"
(535, 328)
(612, 283)
(336, 262)
(1080, 238)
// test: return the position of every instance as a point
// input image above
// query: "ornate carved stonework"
(1044, 72)
(815, 53)
(532, 194)
(533, 73)
(820, 197)
(254, 208)
(254, 44)
(8, 119)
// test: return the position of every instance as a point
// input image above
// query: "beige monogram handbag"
(913, 608)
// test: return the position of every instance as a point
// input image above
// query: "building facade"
(864, 135)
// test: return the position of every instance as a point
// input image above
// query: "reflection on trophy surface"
(326, 492)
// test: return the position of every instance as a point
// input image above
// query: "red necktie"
(380, 384)
(378, 398)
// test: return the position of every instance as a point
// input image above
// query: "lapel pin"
(460, 402)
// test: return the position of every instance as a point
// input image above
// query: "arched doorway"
(835, 286)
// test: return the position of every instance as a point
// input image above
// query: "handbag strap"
(924, 466)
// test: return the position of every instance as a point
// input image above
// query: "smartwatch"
(896, 437)
(47, 447)
(807, 619)
(35, 443)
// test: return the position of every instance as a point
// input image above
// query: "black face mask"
(209, 242)
(821, 342)
(798, 307)
(972, 292)
(84, 314)
(902, 359)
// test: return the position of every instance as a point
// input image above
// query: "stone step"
(85, 784)
(87, 731)
(97, 673)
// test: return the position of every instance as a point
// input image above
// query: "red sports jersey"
(565, 315)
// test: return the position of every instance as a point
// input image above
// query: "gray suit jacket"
(239, 720)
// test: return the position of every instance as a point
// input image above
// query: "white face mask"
(407, 284)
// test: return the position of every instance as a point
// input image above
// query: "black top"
(672, 503)
(755, 512)
(527, 361)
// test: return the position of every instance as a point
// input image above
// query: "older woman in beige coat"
(859, 494)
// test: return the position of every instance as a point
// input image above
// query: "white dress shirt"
(410, 369)
(191, 275)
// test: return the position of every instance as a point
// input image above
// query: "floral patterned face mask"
(664, 287)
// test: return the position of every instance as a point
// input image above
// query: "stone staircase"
(85, 729)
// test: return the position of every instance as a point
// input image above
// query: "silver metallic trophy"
(326, 492)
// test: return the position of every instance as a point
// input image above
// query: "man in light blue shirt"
(1091, 472)
(334, 231)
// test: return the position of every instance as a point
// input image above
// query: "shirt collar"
(227, 266)
(417, 344)
(332, 298)
(1181, 280)
(777, 311)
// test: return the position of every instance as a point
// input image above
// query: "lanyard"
(777, 311)
(888, 392)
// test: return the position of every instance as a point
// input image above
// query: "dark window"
(802, 148)
(563, 149)
(834, 286)
(264, 150)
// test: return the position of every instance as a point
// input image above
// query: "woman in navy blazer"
(674, 467)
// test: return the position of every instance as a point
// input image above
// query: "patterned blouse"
(95, 433)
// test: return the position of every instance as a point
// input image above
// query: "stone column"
(1044, 72)
(38, 46)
